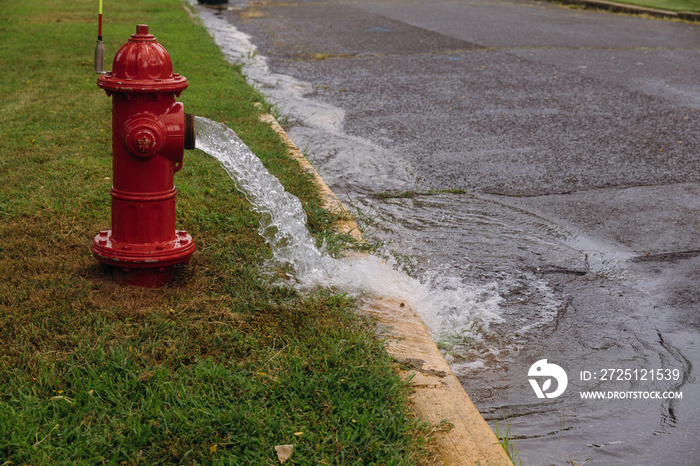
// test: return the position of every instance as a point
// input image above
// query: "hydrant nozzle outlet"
(150, 131)
(190, 132)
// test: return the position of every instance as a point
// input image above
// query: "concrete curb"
(633, 9)
(462, 435)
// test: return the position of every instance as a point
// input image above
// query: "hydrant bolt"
(145, 142)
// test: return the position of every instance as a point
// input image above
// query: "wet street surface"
(553, 157)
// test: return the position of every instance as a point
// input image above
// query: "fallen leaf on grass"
(284, 452)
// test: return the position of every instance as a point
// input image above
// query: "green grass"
(507, 442)
(226, 362)
(411, 194)
(670, 5)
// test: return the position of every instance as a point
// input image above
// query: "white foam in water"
(447, 306)
(461, 307)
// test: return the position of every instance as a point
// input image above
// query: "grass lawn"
(670, 5)
(219, 367)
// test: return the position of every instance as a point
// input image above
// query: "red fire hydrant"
(149, 134)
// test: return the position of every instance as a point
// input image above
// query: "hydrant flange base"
(143, 256)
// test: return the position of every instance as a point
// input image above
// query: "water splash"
(448, 307)
(283, 220)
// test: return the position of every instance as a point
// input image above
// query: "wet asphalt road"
(499, 97)
(570, 124)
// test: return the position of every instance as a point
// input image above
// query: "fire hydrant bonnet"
(142, 65)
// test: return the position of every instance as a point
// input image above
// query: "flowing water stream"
(283, 220)
(283, 226)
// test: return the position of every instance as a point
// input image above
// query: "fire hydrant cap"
(142, 65)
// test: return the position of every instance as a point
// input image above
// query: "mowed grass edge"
(219, 367)
(668, 5)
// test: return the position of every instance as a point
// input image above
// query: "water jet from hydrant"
(283, 220)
